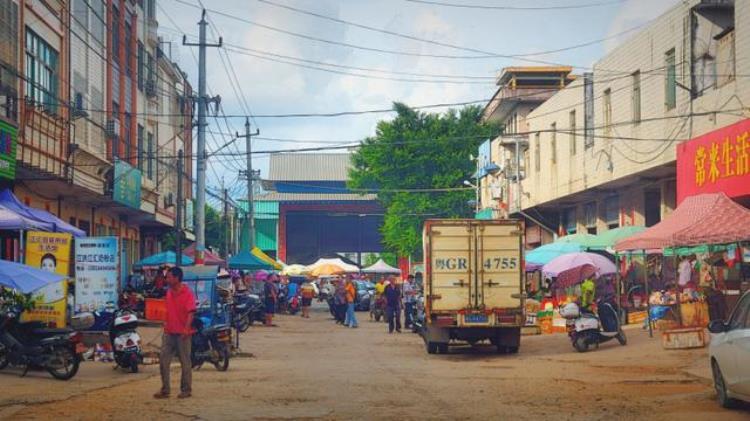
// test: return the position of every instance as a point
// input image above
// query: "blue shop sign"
(127, 185)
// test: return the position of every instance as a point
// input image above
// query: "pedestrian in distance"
(270, 296)
(339, 301)
(393, 305)
(409, 291)
(178, 331)
(351, 291)
(307, 291)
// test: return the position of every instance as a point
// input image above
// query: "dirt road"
(317, 370)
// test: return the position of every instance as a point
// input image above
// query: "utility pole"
(227, 231)
(250, 173)
(178, 213)
(200, 191)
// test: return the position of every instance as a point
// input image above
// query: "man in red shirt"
(178, 330)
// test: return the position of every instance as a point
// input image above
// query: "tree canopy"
(415, 151)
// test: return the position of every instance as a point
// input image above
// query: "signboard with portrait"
(51, 252)
(96, 273)
(715, 162)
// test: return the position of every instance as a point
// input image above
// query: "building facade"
(90, 132)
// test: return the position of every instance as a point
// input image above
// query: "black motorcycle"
(210, 344)
(247, 309)
(31, 344)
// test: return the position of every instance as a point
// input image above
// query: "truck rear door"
(499, 271)
(451, 254)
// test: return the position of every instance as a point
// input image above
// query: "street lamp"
(476, 193)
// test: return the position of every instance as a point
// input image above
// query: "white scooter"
(586, 329)
(126, 342)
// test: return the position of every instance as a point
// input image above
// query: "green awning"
(484, 214)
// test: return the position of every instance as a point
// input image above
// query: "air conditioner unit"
(113, 128)
(496, 191)
(168, 200)
(150, 87)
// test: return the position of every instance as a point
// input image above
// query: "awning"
(244, 260)
(164, 258)
(335, 261)
(209, 259)
(703, 219)
(10, 220)
(9, 201)
(382, 267)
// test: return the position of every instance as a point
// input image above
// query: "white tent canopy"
(382, 267)
(338, 262)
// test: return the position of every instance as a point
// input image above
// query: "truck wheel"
(432, 347)
(512, 350)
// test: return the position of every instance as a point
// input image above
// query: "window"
(115, 116)
(670, 81)
(553, 143)
(115, 35)
(128, 140)
(725, 58)
(150, 160)
(636, 97)
(572, 135)
(140, 147)
(589, 217)
(141, 66)
(128, 49)
(738, 318)
(150, 67)
(8, 59)
(41, 72)
(607, 110)
(80, 13)
(98, 20)
(612, 212)
(537, 153)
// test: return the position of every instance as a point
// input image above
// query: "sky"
(269, 87)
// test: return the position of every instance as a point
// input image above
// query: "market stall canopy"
(266, 258)
(573, 268)
(244, 260)
(164, 258)
(295, 270)
(337, 262)
(9, 201)
(544, 254)
(10, 220)
(327, 269)
(25, 278)
(209, 258)
(611, 237)
(382, 267)
(588, 241)
(702, 219)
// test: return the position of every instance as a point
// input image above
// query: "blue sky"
(278, 88)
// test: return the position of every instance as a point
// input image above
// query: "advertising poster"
(96, 273)
(51, 252)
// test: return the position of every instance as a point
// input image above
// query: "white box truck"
(473, 283)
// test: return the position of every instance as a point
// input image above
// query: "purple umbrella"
(570, 269)
(261, 275)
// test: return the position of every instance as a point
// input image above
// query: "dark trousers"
(394, 317)
(172, 345)
(340, 312)
(408, 308)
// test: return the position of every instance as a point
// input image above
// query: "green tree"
(215, 233)
(419, 150)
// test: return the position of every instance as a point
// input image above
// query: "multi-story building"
(90, 124)
(602, 151)
(520, 91)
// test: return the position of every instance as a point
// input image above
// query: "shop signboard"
(8, 136)
(51, 252)
(188, 214)
(126, 187)
(96, 273)
(715, 162)
(484, 159)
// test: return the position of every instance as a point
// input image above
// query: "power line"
(496, 7)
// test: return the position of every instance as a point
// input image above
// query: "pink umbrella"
(261, 275)
(572, 268)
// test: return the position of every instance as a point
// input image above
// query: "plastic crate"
(156, 309)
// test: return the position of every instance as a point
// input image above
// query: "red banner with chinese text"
(715, 162)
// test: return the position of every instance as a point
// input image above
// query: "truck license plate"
(476, 318)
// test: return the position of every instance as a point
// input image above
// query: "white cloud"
(633, 13)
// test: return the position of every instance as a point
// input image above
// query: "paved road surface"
(313, 369)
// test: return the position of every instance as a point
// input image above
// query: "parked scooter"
(31, 344)
(126, 342)
(586, 329)
(210, 344)
(377, 311)
(417, 317)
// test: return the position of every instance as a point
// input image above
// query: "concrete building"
(602, 154)
(89, 146)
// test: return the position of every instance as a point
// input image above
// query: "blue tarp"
(9, 201)
(163, 258)
(244, 260)
(25, 278)
(12, 221)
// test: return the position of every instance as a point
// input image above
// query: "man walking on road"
(351, 291)
(178, 331)
(393, 305)
(410, 298)
(307, 291)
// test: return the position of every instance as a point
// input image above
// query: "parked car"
(362, 300)
(729, 354)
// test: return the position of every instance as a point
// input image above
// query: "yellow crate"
(637, 317)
